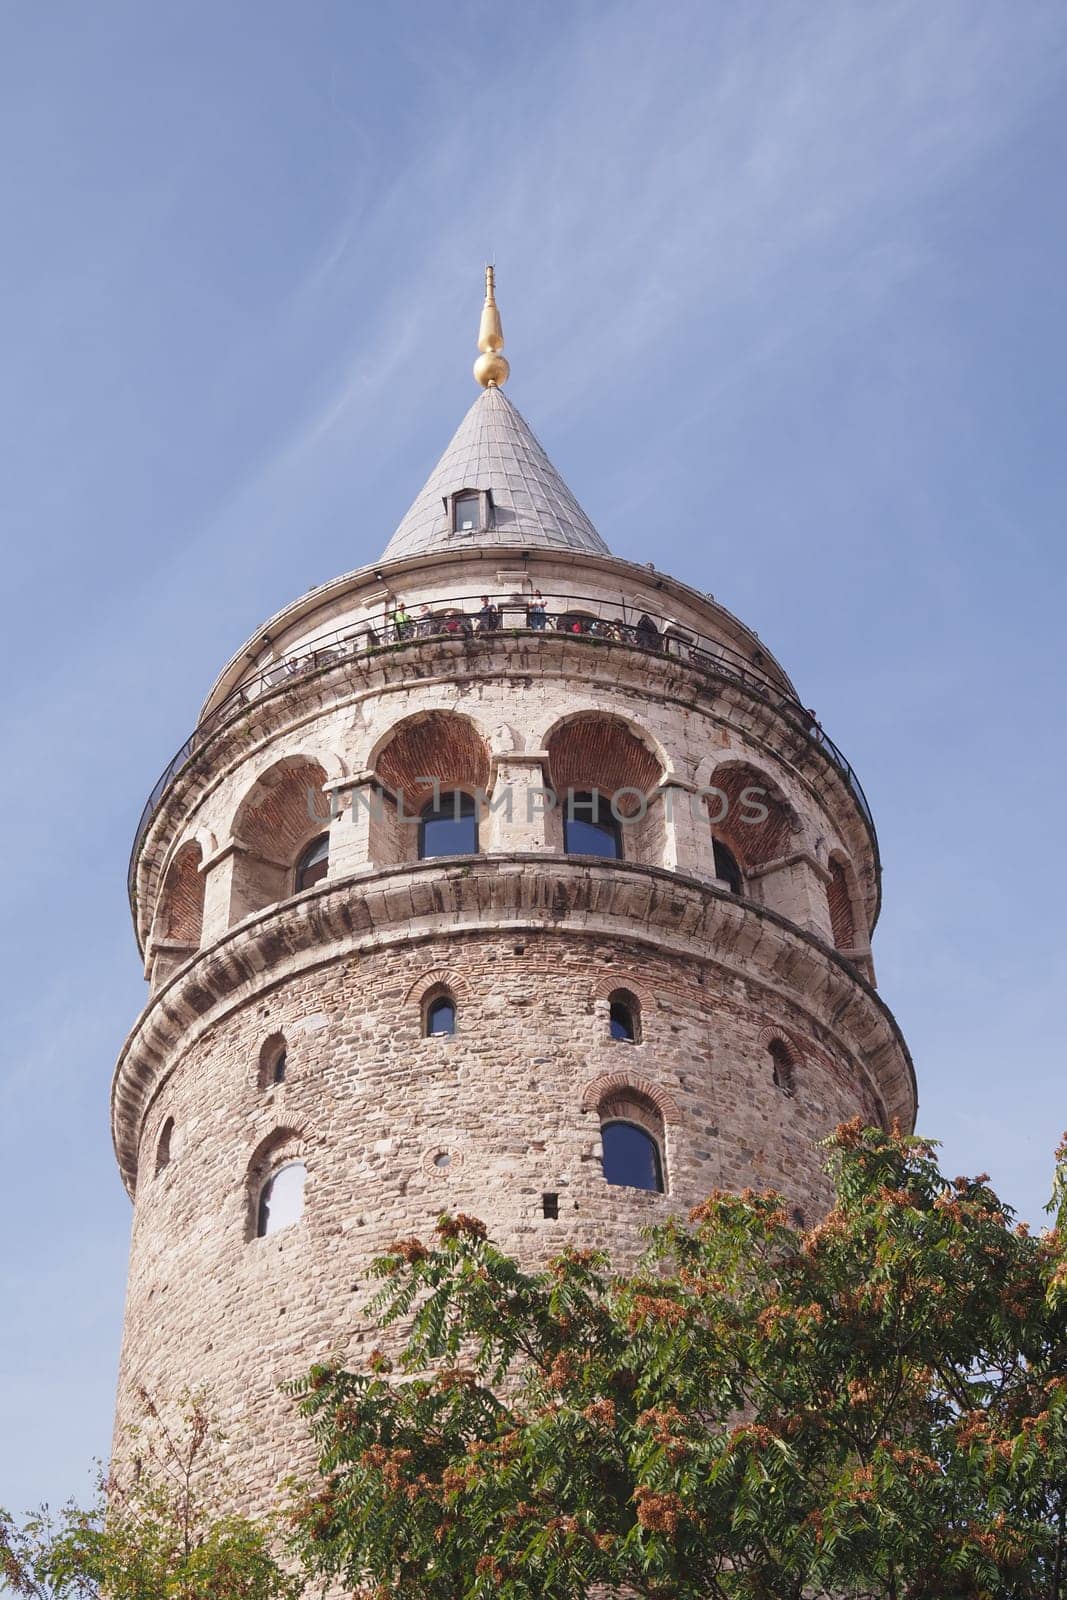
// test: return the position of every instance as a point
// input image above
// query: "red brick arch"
(437, 978)
(438, 744)
(182, 901)
(285, 807)
(839, 899)
(734, 818)
(609, 984)
(611, 1084)
(595, 750)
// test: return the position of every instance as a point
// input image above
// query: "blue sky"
(783, 293)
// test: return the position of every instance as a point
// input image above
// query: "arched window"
(589, 829)
(624, 1013)
(163, 1146)
(440, 1016)
(281, 1199)
(273, 1060)
(726, 867)
(782, 1066)
(631, 1156)
(314, 863)
(449, 828)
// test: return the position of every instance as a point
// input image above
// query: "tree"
(160, 1537)
(875, 1407)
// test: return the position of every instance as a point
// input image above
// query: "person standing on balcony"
(536, 615)
(488, 617)
(402, 622)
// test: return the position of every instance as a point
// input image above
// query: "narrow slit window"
(782, 1068)
(726, 867)
(163, 1147)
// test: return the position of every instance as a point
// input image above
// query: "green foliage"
(876, 1407)
(159, 1538)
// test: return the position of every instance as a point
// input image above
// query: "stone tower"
(389, 976)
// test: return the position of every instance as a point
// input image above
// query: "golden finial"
(491, 368)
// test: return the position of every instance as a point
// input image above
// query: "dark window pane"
(314, 863)
(450, 828)
(441, 1016)
(279, 1067)
(726, 867)
(622, 1022)
(631, 1156)
(466, 513)
(589, 829)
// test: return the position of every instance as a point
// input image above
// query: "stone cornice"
(645, 906)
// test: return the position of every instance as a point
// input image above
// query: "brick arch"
(610, 1085)
(281, 813)
(438, 978)
(445, 745)
(607, 985)
(754, 841)
(841, 902)
(285, 807)
(778, 1035)
(597, 750)
(181, 906)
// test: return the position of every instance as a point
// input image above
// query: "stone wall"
(512, 1099)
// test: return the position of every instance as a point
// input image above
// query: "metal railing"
(585, 617)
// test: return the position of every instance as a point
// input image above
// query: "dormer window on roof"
(467, 511)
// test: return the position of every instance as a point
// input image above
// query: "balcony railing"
(588, 618)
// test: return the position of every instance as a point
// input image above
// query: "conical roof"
(494, 449)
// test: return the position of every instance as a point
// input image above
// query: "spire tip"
(491, 368)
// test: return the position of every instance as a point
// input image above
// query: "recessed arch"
(281, 814)
(598, 750)
(273, 1065)
(180, 916)
(783, 1056)
(282, 1150)
(444, 745)
(439, 1013)
(842, 901)
(164, 1145)
(624, 1017)
(750, 814)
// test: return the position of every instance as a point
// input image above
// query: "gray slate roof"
(493, 448)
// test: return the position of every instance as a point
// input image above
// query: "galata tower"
(502, 876)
